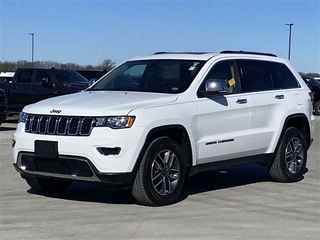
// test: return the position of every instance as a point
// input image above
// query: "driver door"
(223, 119)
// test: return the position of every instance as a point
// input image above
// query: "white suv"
(155, 120)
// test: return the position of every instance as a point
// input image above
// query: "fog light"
(109, 151)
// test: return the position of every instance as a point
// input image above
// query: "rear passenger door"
(21, 89)
(268, 105)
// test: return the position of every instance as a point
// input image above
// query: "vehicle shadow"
(212, 180)
(206, 181)
(3, 128)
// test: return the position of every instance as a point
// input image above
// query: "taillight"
(311, 96)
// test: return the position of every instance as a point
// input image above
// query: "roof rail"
(248, 52)
(180, 53)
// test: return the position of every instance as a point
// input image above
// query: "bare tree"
(7, 66)
(108, 64)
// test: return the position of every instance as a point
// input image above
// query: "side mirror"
(92, 81)
(214, 86)
(46, 82)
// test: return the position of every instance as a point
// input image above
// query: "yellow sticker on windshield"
(231, 82)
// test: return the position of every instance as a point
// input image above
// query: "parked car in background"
(30, 85)
(3, 106)
(6, 76)
(90, 74)
(314, 86)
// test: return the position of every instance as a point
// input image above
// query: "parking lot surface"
(237, 203)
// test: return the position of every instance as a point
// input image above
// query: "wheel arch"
(299, 121)
(176, 132)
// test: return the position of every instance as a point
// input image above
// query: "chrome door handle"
(242, 101)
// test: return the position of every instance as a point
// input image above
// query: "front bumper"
(69, 167)
(107, 156)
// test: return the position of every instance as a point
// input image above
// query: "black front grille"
(52, 166)
(59, 125)
(65, 166)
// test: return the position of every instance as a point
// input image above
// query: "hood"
(99, 103)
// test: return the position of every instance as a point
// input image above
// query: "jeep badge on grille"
(55, 111)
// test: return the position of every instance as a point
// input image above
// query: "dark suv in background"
(91, 73)
(314, 86)
(3, 106)
(30, 85)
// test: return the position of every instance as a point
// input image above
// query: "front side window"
(227, 71)
(42, 76)
(163, 76)
(68, 76)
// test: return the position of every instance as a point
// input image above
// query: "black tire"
(44, 185)
(161, 174)
(291, 158)
(317, 108)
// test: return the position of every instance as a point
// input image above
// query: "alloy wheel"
(165, 172)
(294, 155)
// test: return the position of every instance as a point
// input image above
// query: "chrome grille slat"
(62, 125)
(59, 125)
(74, 126)
(42, 128)
(52, 125)
(34, 123)
(86, 125)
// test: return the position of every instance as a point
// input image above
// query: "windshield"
(164, 76)
(313, 82)
(68, 76)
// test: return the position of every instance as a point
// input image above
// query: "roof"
(201, 56)
(204, 56)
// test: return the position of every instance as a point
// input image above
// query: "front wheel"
(291, 158)
(44, 185)
(161, 173)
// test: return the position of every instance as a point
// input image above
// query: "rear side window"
(25, 76)
(257, 77)
(282, 77)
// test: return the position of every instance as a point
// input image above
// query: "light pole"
(32, 48)
(290, 25)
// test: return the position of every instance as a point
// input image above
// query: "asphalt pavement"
(238, 203)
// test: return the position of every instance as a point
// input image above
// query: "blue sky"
(90, 31)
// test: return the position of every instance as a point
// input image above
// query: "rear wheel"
(291, 158)
(317, 108)
(161, 174)
(45, 185)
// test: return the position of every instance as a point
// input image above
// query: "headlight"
(115, 122)
(22, 117)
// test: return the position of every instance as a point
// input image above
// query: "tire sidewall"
(153, 150)
(317, 108)
(289, 135)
